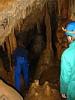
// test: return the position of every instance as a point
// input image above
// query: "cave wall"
(50, 19)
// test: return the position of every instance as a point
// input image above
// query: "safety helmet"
(70, 29)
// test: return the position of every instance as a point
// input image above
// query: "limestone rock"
(8, 93)
(42, 92)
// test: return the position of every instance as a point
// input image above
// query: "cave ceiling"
(13, 12)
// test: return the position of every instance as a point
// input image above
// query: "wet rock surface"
(42, 92)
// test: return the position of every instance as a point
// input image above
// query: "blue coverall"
(21, 66)
(67, 75)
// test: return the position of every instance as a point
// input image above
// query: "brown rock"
(43, 92)
(8, 93)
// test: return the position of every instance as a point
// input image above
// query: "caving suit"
(21, 66)
(67, 75)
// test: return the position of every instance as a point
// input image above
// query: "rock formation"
(8, 93)
(42, 92)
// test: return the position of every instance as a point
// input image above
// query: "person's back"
(20, 51)
(21, 65)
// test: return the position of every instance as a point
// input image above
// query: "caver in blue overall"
(21, 66)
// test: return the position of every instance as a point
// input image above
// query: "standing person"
(20, 65)
(67, 75)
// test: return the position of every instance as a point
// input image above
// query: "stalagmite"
(47, 89)
(36, 82)
(45, 83)
(43, 92)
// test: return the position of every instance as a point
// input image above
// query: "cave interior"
(43, 37)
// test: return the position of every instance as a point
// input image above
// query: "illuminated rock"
(8, 93)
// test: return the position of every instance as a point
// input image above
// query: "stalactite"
(10, 75)
(19, 26)
(72, 9)
(38, 27)
(12, 40)
(8, 47)
(39, 41)
(3, 46)
(59, 8)
(63, 8)
(48, 30)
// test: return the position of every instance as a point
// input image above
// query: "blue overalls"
(21, 66)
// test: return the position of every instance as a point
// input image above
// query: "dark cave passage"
(36, 38)
(35, 42)
(35, 49)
